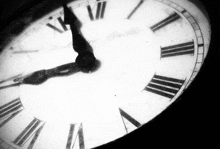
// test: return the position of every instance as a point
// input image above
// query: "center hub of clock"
(129, 62)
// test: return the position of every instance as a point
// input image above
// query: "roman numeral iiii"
(164, 86)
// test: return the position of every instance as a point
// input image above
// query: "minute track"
(142, 73)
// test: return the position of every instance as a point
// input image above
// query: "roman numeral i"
(164, 86)
(100, 11)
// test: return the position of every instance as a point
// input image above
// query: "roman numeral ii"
(172, 18)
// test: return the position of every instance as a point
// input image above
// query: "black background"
(193, 121)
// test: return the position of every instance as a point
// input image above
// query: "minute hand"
(41, 76)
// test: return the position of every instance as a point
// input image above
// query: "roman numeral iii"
(100, 11)
(31, 131)
(164, 86)
(177, 50)
(10, 110)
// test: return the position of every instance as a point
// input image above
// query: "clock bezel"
(168, 114)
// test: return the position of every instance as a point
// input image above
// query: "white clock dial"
(150, 51)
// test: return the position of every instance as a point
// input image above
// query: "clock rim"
(181, 104)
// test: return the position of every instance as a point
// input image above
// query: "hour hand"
(70, 18)
(80, 45)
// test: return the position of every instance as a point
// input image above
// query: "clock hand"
(40, 76)
(85, 59)
(7, 86)
(33, 78)
(10, 78)
(80, 45)
(63, 70)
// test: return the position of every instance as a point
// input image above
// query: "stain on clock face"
(149, 52)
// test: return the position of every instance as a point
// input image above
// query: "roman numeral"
(61, 22)
(31, 131)
(164, 86)
(172, 18)
(100, 11)
(9, 111)
(177, 50)
(135, 9)
(71, 138)
(129, 118)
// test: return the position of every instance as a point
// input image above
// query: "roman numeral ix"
(100, 11)
(10, 110)
(164, 86)
(177, 50)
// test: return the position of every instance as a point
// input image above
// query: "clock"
(147, 52)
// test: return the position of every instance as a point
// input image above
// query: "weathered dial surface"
(150, 52)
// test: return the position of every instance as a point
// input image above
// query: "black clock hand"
(33, 78)
(86, 59)
(41, 76)
(63, 70)
(80, 44)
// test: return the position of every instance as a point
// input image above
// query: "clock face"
(150, 52)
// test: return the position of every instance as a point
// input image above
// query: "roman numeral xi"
(55, 28)
(164, 86)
